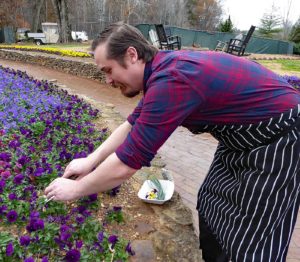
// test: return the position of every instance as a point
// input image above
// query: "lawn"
(282, 66)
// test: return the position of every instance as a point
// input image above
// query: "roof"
(48, 23)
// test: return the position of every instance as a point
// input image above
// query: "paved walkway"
(188, 156)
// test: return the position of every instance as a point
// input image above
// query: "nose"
(108, 79)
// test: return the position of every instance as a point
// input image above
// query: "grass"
(285, 65)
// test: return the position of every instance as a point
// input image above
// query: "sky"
(244, 13)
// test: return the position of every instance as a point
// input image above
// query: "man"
(249, 200)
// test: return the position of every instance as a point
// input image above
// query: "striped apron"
(250, 197)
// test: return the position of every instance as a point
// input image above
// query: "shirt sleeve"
(167, 103)
(136, 113)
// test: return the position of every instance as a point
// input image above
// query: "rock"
(52, 80)
(61, 85)
(174, 211)
(144, 251)
(158, 162)
(143, 228)
(180, 247)
(110, 105)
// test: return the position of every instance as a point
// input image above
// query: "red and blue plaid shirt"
(195, 89)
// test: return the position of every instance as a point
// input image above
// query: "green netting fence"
(7, 35)
(205, 39)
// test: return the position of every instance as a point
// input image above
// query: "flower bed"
(49, 50)
(293, 80)
(43, 129)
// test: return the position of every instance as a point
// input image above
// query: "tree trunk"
(61, 9)
(36, 23)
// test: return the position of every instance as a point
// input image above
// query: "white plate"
(168, 187)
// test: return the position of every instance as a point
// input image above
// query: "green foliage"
(114, 215)
(88, 231)
(38, 128)
(5, 239)
(270, 24)
(295, 34)
(226, 26)
(296, 50)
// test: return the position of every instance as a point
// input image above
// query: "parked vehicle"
(79, 36)
(49, 34)
(21, 34)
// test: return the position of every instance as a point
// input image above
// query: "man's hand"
(78, 167)
(62, 189)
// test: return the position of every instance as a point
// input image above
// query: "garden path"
(188, 156)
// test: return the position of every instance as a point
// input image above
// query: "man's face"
(128, 78)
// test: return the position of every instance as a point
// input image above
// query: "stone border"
(84, 67)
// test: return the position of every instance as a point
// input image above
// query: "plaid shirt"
(194, 89)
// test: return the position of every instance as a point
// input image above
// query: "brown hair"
(119, 36)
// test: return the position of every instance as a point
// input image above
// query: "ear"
(132, 54)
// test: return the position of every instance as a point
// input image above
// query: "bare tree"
(286, 23)
(13, 18)
(94, 15)
(61, 9)
(38, 4)
(204, 14)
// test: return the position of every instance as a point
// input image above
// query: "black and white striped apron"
(250, 197)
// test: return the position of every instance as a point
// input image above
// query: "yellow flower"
(49, 50)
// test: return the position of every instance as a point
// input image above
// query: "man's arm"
(110, 144)
(83, 166)
(109, 174)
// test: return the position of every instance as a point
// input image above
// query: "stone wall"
(76, 66)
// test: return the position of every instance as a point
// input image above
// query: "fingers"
(49, 191)
(67, 172)
(79, 177)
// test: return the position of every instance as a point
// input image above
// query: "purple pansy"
(129, 250)
(18, 179)
(3, 209)
(79, 244)
(113, 239)
(117, 209)
(24, 240)
(12, 196)
(9, 249)
(73, 255)
(100, 236)
(12, 216)
(35, 224)
(5, 156)
(93, 197)
(80, 219)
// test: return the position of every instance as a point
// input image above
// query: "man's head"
(121, 52)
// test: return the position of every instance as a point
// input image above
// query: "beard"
(128, 91)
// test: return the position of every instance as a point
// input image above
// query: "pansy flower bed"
(42, 128)
(293, 80)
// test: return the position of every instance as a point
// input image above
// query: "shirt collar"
(147, 74)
